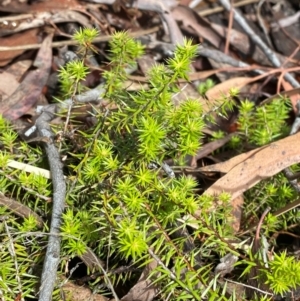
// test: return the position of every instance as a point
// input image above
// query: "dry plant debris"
(249, 45)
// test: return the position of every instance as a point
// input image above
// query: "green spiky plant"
(123, 201)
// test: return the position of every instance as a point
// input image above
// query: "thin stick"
(230, 22)
(258, 41)
(219, 9)
(73, 42)
(52, 257)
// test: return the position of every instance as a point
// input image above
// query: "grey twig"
(221, 57)
(258, 41)
(168, 170)
(205, 51)
(93, 95)
(52, 257)
(249, 286)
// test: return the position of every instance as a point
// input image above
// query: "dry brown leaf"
(201, 75)
(8, 84)
(19, 68)
(91, 260)
(294, 98)
(191, 20)
(265, 163)
(237, 82)
(236, 212)
(224, 87)
(226, 166)
(39, 6)
(144, 290)
(31, 87)
(9, 79)
(26, 37)
(212, 146)
(163, 8)
(25, 22)
(19, 209)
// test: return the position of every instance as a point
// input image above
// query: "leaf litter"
(21, 24)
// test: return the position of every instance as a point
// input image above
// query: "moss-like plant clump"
(124, 203)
